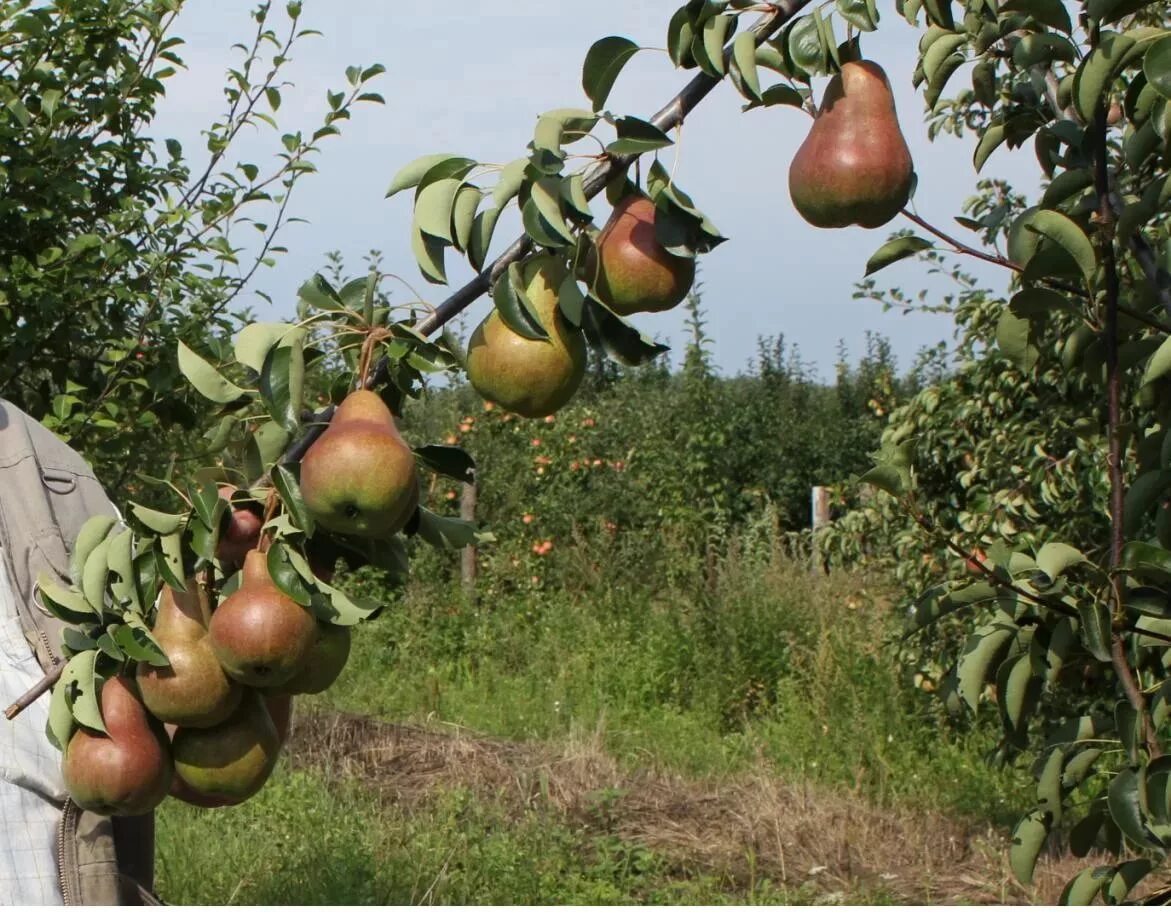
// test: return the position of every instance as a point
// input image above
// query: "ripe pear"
(230, 762)
(125, 771)
(629, 269)
(240, 531)
(359, 477)
(854, 167)
(260, 636)
(193, 691)
(533, 378)
(326, 661)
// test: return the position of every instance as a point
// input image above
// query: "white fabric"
(31, 790)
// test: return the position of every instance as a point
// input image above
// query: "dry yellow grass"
(825, 844)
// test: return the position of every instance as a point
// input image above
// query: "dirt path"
(830, 844)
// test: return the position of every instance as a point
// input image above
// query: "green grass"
(777, 671)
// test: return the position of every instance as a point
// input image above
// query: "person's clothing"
(31, 790)
(47, 493)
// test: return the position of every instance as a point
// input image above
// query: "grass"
(629, 745)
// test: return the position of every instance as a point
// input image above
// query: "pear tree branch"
(670, 117)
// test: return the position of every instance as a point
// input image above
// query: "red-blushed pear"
(280, 710)
(125, 771)
(854, 167)
(193, 690)
(240, 531)
(629, 269)
(260, 636)
(230, 762)
(533, 378)
(359, 477)
(326, 661)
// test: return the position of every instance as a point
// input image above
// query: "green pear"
(193, 690)
(125, 771)
(359, 477)
(230, 762)
(326, 661)
(533, 378)
(260, 636)
(854, 167)
(629, 269)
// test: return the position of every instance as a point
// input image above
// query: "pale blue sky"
(471, 79)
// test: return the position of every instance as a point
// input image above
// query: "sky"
(471, 79)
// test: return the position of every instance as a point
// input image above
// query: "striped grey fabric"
(31, 790)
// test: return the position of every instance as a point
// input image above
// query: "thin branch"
(1106, 219)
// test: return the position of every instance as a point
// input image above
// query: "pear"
(125, 771)
(280, 710)
(854, 167)
(230, 762)
(326, 661)
(359, 477)
(260, 636)
(240, 531)
(193, 691)
(533, 378)
(629, 269)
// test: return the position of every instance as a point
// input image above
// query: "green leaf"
(1019, 338)
(434, 206)
(428, 253)
(60, 724)
(744, 65)
(857, 13)
(603, 63)
(805, 47)
(282, 385)
(284, 574)
(1157, 66)
(637, 137)
(896, 249)
(1144, 492)
(546, 196)
(1085, 886)
(680, 34)
(780, 94)
(713, 34)
(1055, 558)
(982, 654)
(1097, 71)
(292, 500)
(264, 448)
(254, 342)
(94, 574)
(318, 293)
(463, 215)
(619, 340)
(448, 533)
(157, 521)
(1028, 839)
(482, 229)
(205, 379)
(448, 460)
(1067, 235)
(508, 297)
(80, 677)
(66, 605)
(168, 556)
(991, 138)
(410, 175)
(1126, 809)
(508, 183)
(1127, 876)
(1096, 632)
(89, 537)
(1047, 12)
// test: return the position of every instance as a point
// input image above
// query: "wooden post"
(819, 501)
(467, 559)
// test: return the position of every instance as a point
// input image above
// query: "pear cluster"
(627, 269)
(208, 727)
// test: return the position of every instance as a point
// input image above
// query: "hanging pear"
(260, 636)
(533, 378)
(125, 771)
(327, 658)
(230, 762)
(193, 690)
(854, 167)
(628, 267)
(359, 477)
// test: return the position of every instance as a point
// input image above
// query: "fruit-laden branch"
(594, 180)
(670, 117)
